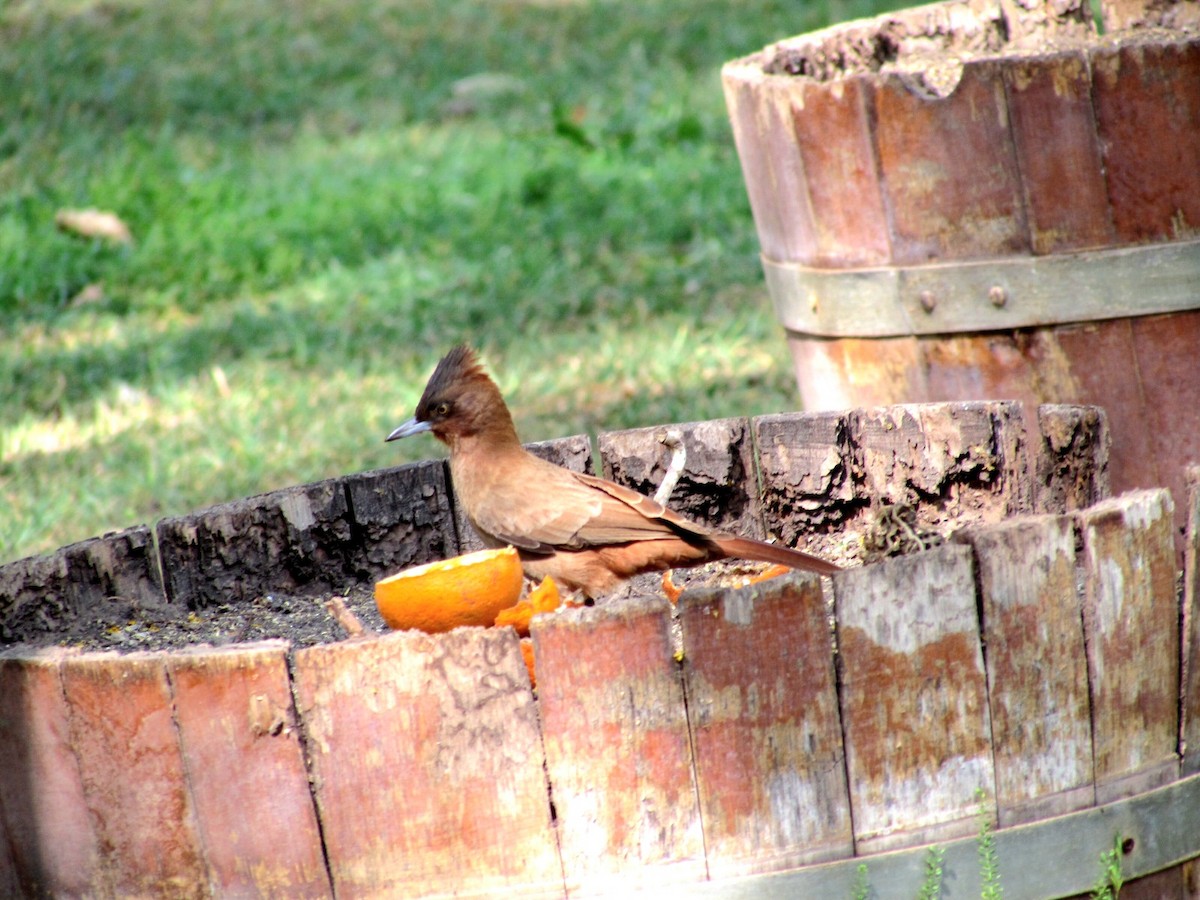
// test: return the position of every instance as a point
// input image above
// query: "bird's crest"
(459, 365)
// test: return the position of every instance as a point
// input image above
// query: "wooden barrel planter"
(1029, 648)
(985, 199)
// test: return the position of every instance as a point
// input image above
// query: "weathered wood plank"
(741, 86)
(831, 127)
(960, 462)
(34, 596)
(1165, 348)
(1054, 132)
(10, 886)
(1147, 100)
(574, 453)
(1121, 14)
(125, 739)
(717, 485)
(977, 366)
(402, 516)
(760, 110)
(1072, 460)
(758, 672)
(913, 698)
(1170, 884)
(1131, 618)
(949, 168)
(617, 750)
(853, 372)
(427, 765)
(1056, 857)
(246, 772)
(787, 185)
(293, 540)
(1100, 364)
(49, 593)
(1036, 665)
(807, 468)
(49, 830)
(1190, 707)
(1128, 14)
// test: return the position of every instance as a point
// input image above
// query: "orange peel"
(527, 655)
(543, 598)
(467, 590)
(772, 571)
(670, 588)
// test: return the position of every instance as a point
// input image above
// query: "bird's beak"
(408, 429)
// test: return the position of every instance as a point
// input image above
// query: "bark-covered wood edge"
(804, 478)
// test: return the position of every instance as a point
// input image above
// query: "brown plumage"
(589, 533)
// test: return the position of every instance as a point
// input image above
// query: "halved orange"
(438, 596)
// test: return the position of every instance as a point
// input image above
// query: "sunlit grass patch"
(323, 198)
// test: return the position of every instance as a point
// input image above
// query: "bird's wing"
(561, 509)
(630, 516)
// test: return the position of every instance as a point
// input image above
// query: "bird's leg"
(673, 440)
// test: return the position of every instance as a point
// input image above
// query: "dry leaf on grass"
(94, 223)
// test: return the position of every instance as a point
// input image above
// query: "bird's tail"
(748, 548)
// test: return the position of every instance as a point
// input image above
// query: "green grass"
(1111, 879)
(327, 195)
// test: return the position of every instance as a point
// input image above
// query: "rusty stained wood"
(913, 698)
(9, 883)
(1137, 370)
(842, 373)
(1131, 619)
(717, 485)
(758, 671)
(246, 772)
(951, 182)
(1189, 730)
(831, 124)
(427, 765)
(1058, 152)
(1036, 665)
(617, 749)
(50, 836)
(125, 740)
(1147, 100)
(1056, 857)
(1165, 347)
(973, 367)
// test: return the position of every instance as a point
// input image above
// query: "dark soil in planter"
(303, 620)
(124, 626)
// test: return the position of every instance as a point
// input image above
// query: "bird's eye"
(442, 409)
